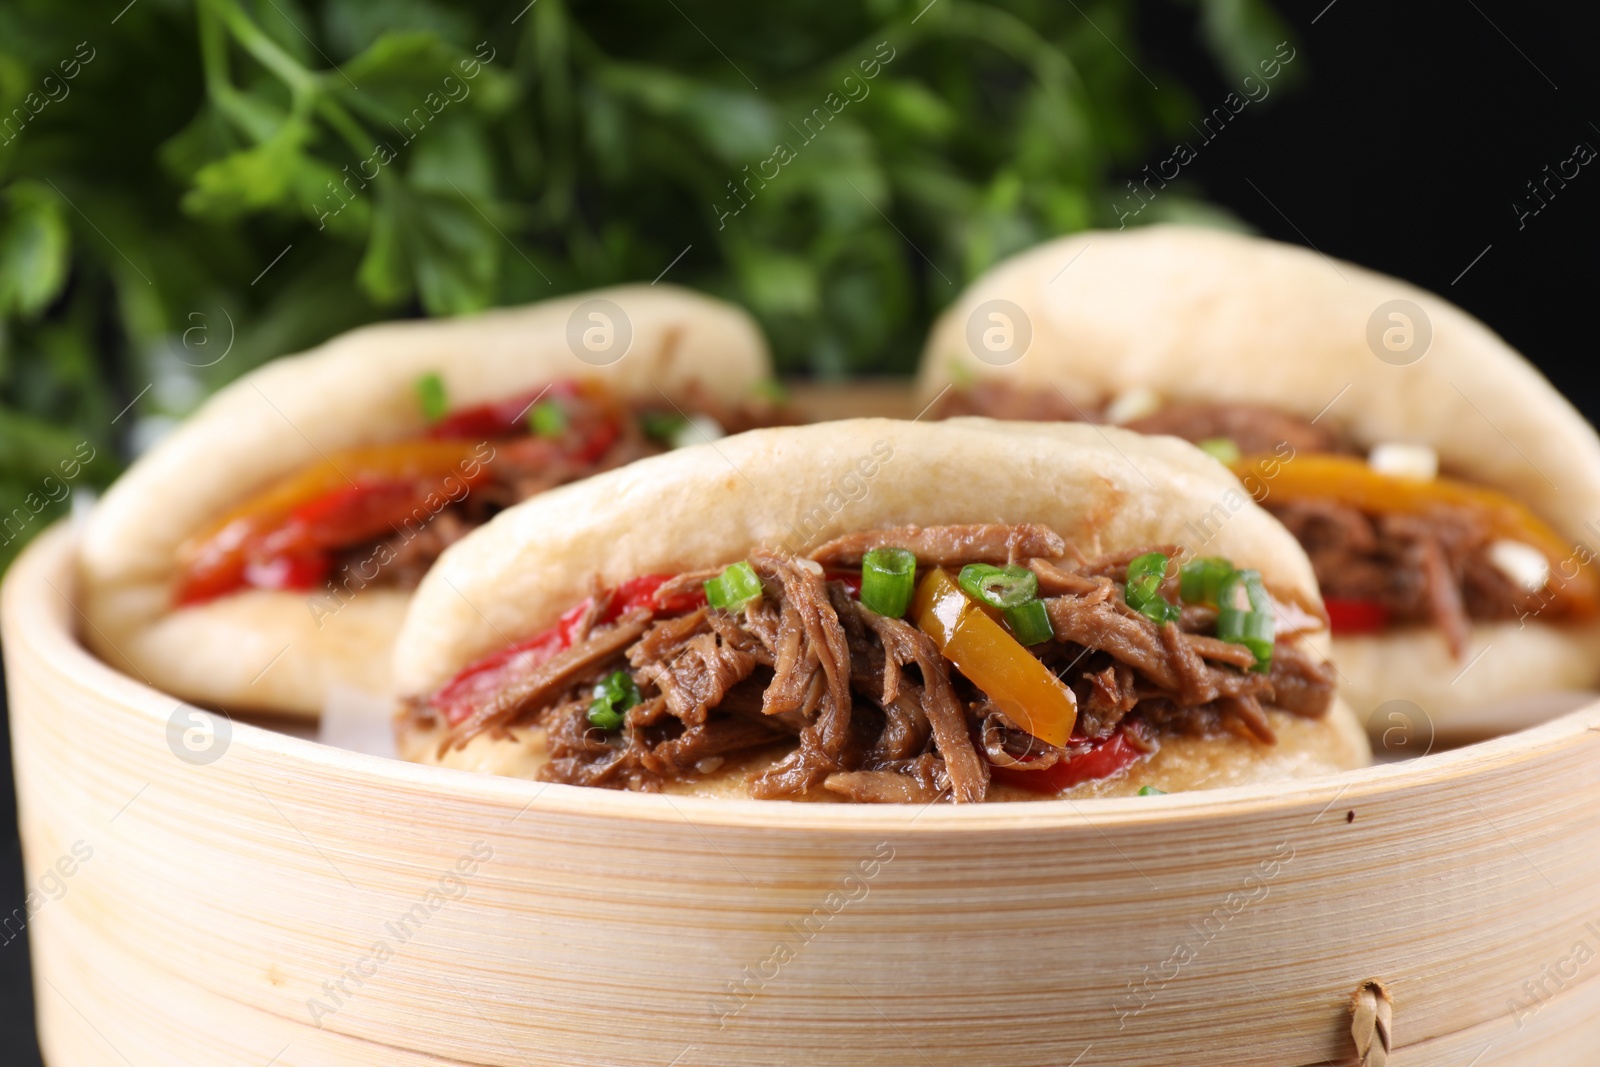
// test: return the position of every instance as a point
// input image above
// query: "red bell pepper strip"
(1105, 757)
(289, 572)
(349, 497)
(361, 493)
(851, 580)
(1347, 617)
(457, 699)
(594, 419)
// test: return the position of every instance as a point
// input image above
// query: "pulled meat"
(528, 685)
(1255, 429)
(1000, 400)
(865, 706)
(524, 467)
(1431, 569)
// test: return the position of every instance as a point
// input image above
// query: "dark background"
(1418, 127)
(1416, 130)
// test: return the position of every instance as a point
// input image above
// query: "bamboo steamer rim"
(32, 605)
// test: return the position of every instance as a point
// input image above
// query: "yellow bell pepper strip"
(1019, 684)
(1349, 480)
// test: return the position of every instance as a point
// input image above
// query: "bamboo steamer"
(224, 901)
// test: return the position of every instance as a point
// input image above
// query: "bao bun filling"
(381, 514)
(1389, 549)
(901, 664)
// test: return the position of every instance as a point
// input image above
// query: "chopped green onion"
(1255, 593)
(1151, 791)
(734, 588)
(1145, 575)
(999, 587)
(604, 716)
(547, 418)
(662, 426)
(1030, 623)
(614, 695)
(1222, 449)
(1253, 627)
(1159, 610)
(431, 393)
(1143, 593)
(888, 578)
(1250, 629)
(1200, 581)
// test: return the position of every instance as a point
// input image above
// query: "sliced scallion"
(1254, 626)
(888, 578)
(615, 694)
(999, 587)
(1222, 449)
(733, 589)
(1200, 581)
(1151, 791)
(433, 398)
(1145, 575)
(1255, 592)
(547, 418)
(1143, 593)
(1030, 623)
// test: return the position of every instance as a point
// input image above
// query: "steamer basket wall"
(231, 910)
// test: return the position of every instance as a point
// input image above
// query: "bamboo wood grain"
(608, 927)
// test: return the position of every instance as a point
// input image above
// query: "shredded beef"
(805, 595)
(534, 685)
(1444, 596)
(1005, 745)
(1430, 569)
(1216, 650)
(1255, 429)
(865, 706)
(1001, 400)
(969, 775)
(1126, 636)
(524, 467)
(884, 787)
(1426, 569)
(1300, 683)
(409, 553)
(1246, 712)
(1107, 690)
(1115, 565)
(697, 676)
(706, 739)
(1056, 578)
